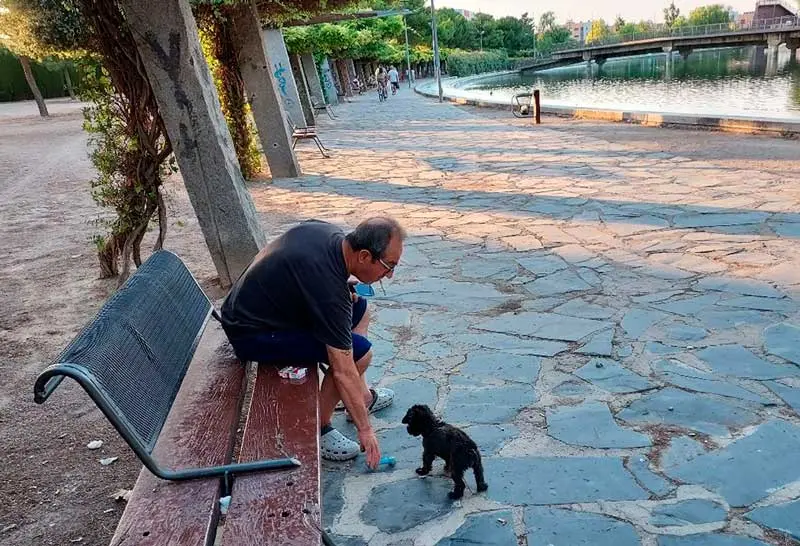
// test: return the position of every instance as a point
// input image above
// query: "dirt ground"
(53, 490)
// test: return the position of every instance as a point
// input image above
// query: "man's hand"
(351, 389)
(369, 444)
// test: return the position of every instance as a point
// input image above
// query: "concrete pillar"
(344, 79)
(335, 77)
(281, 69)
(793, 47)
(667, 49)
(312, 78)
(166, 37)
(302, 89)
(774, 42)
(600, 61)
(328, 86)
(361, 71)
(351, 69)
(263, 94)
(587, 57)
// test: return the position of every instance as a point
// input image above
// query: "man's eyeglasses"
(389, 268)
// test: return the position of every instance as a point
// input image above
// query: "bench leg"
(322, 149)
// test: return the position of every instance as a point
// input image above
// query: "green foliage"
(49, 76)
(598, 32)
(517, 34)
(547, 21)
(629, 29)
(680, 21)
(119, 157)
(383, 39)
(709, 15)
(43, 28)
(466, 63)
(220, 52)
(553, 38)
(671, 14)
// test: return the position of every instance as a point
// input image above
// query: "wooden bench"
(324, 106)
(167, 379)
(306, 133)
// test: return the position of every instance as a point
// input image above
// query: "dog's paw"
(483, 486)
(455, 495)
(422, 471)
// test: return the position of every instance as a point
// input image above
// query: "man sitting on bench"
(293, 304)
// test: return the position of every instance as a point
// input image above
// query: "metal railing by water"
(777, 24)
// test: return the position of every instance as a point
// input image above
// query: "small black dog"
(447, 442)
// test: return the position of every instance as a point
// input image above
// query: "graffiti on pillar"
(281, 79)
(279, 70)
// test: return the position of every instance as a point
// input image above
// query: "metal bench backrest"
(132, 357)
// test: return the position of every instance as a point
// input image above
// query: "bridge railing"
(789, 22)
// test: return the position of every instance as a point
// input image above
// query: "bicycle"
(382, 94)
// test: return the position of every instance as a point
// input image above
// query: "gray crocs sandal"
(381, 398)
(335, 446)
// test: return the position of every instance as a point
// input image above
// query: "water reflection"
(732, 81)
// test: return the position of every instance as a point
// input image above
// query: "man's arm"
(351, 388)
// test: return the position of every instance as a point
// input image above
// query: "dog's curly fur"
(447, 442)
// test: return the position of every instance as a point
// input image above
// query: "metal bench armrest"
(51, 378)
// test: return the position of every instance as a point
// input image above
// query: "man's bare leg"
(363, 325)
(361, 329)
(329, 395)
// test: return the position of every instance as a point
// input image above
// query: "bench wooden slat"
(267, 508)
(200, 431)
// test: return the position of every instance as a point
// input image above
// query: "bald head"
(374, 235)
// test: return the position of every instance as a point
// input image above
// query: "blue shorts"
(295, 346)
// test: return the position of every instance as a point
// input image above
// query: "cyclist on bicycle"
(382, 77)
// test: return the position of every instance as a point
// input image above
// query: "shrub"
(466, 63)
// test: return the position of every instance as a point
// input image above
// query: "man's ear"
(364, 256)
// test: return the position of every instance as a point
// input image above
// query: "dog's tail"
(474, 457)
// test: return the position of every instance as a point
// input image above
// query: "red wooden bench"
(270, 508)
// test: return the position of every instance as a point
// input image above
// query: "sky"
(578, 10)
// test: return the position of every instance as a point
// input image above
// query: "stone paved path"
(618, 330)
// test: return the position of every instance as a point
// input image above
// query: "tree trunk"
(68, 81)
(26, 68)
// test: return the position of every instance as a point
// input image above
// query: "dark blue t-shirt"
(297, 282)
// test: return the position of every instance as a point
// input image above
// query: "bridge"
(764, 32)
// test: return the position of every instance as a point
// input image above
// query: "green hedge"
(14, 87)
(466, 63)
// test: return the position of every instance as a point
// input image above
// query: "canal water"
(730, 81)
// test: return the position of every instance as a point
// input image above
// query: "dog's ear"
(425, 412)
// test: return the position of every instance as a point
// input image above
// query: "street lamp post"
(408, 56)
(437, 68)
